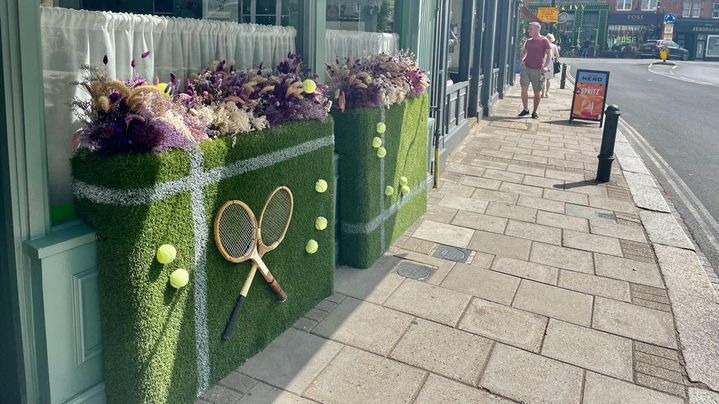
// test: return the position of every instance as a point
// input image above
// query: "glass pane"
(360, 28)
(71, 38)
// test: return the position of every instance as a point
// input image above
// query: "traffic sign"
(670, 18)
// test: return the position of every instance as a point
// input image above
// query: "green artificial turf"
(360, 191)
(149, 327)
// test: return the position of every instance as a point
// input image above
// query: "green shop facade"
(51, 346)
(582, 26)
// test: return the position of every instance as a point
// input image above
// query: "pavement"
(669, 109)
(567, 291)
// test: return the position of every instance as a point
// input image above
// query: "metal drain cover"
(413, 270)
(451, 253)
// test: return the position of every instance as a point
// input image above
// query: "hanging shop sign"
(548, 14)
(590, 95)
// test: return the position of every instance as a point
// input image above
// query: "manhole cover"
(451, 253)
(412, 270)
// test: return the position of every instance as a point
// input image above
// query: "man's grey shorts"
(533, 76)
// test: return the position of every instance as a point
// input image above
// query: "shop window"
(624, 5)
(691, 8)
(358, 28)
(715, 10)
(74, 33)
(649, 5)
(712, 49)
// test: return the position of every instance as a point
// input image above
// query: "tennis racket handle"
(277, 289)
(233, 318)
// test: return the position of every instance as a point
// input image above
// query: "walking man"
(535, 57)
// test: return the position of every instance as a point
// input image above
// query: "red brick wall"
(670, 6)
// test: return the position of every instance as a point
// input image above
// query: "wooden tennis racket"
(274, 222)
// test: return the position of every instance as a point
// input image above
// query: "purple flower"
(133, 63)
(145, 54)
(104, 59)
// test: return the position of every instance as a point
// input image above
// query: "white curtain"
(340, 44)
(183, 46)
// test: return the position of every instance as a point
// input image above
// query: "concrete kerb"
(693, 299)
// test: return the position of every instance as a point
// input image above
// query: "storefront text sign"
(548, 14)
(590, 95)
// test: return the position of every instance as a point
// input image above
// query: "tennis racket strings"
(237, 231)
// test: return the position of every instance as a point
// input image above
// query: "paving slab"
(503, 175)
(475, 281)
(501, 245)
(449, 188)
(555, 302)
(599, 389)
(590, 349)
(495, 196)
(221, 395)
(639, 180)
(564, 196)
(636, 322)
(522, 190)
(440, 390)
(536, 232)
(464, 203)
(439, 214)
(633, 164)
(591, 242)
(447, 351)
(429, 301)
(614, 205)
(263, 393)
(512, 211)
(541, 204)
(364, 325)
(480, 222)
(563, 221)
(373, 284)
(531, 378)
(647, 197)
(561, 257)
(292, 360)
(595, 285)
(527, 270)
(696, 311)
(628, 270)
(505, 324)
(543, 182)
(589, 212)
(444, 233)
(478, 182)
(700, 396)
(616, 230)
(356, 376)
(664, 229)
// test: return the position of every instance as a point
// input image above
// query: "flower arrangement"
(134, 116)
(375, 81)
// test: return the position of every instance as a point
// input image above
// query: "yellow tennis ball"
(381, 152)
(376, 142)
(311, 247)
(389, 190)
(404, 189)
(321, 186)
(179, 278)
(321, 223)
(163, 87)
(309, 86)
(166, 253)
(403, 181)
(381, 127)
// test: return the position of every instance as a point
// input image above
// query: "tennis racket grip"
(277, 289)
(233, 318)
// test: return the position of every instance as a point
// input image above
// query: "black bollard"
(606, 152)
(563, 83)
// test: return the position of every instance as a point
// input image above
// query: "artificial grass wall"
(362, 200)
(152, 350)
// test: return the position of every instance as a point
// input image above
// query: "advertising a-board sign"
(590, 96)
